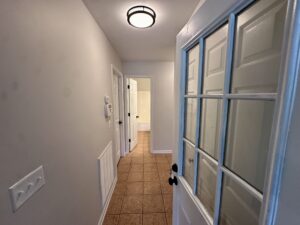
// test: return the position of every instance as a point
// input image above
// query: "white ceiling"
(152, 44)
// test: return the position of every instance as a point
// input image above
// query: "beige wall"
(55, 66)
(162, 89)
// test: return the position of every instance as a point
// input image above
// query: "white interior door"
(116, 112)
(133, 113)
(227, 118)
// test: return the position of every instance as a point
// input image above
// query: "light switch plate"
(21, 191)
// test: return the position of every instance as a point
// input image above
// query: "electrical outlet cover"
(21, 191)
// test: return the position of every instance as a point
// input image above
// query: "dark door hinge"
(128, 114)
(129, 140)
(128, 86)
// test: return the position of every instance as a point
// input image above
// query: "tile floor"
(142, 195)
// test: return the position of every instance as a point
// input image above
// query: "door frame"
(116, 71)
(127, 77)
(287, 84)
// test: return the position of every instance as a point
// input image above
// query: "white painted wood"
(256, 64)
(133, 113)
(215, 61)
(104, 210)
(106, 172)
(162, 151)
(116, 112)
(192, 73)
(144, 126)
(259, 35)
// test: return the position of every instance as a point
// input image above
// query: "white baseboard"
(102, 216)
(144, 127)
(162, 151)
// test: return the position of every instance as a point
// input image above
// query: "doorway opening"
(139, 110)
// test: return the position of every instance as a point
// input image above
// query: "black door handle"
(173, 181)
(120, 122)
(175, 167)
(137, 117)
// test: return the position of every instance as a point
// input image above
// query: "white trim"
(144, 126)
(116, 71)
(102, 216)
(162, 151)
(208, 219)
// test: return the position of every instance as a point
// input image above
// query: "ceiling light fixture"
(141, 16)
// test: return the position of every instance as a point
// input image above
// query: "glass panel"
(207, 181)
(215, 61)
(192, 73)
(238, 207)
(190, 119)
(210, 125)
(188, 171)
(259, 35)
(249, 131)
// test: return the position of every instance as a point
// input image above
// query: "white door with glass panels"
(231, 87)
(133, 113)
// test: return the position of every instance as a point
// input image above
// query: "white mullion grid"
(222, 133)
(184, 59)
(255, 193)
(189, 142)
(246, 96)
(207, 156)
(198, 115)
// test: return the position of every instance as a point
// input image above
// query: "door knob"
(137, 117)
(120, 122)
(173, 180)
(175, 167)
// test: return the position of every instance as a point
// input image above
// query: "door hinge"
(128, 114)
(129, 140)
(128, 86)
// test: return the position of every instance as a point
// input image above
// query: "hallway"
(142, 195)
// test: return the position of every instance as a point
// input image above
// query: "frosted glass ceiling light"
(141, 16)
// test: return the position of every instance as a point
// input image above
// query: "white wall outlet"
(21, 191)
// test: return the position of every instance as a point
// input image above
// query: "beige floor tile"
(132, 204)
(137, 160)
(135, 188)
(166, 188)
(111, 220)
(141, 175)
(120, 188)
(154, 219)
(137, 168)
(135, 176)
(130, 219)
(149, 159)
(169, 218)
(162, 160)
(115, 204)
(148, 167)
(152, 188)
(168, 199)
(151, 176)
(124, 161)
(164, 176)
(122, 177)
(163, 167)
(123, 168)
(153, 204)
